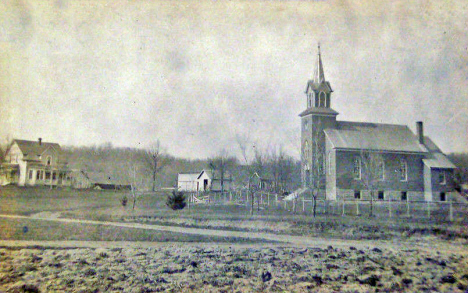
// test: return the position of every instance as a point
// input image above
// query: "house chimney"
(420, 130)
(40, 141)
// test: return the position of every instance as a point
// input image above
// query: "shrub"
(176, 200)
(124, 201)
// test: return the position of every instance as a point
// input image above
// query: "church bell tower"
(318, 116)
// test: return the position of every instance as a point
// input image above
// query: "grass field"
(151, 209)
(25, 229)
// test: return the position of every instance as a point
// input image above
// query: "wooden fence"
(441, 211)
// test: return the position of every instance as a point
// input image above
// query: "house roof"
(187, 176)
(439, 160)
(374, 136)
(314, 110)
(208, 173)
(32, 149)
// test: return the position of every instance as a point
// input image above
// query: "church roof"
(439, 160)
(318, 86)
(319, 75)
(374, 136)
(318, 81)
(318, 110)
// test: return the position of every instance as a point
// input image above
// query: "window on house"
(357, 194)
(380, 195)
(49, 160)
(30, 174)
(404, 195)
(442, 179)
(38, 175)
(47, 175)
(54, 175)
(443, 196)
(403, 170)
(357, 168)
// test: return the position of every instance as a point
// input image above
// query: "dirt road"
(281, 240)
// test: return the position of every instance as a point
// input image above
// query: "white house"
(34, 163)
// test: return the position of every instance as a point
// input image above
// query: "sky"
(202, 75)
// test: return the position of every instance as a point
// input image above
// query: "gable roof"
(374, 136)
(439, 160)
(187, 177)
(430, 145)
(33, 149)
(208, 173)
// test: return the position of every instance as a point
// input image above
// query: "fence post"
(451, 211)
(343, 212)
(389, 207)
(303, 205)
(357, 207)
(428, 207)
(268, 199)
(407, 208)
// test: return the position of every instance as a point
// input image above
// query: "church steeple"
(319, 76)
(318, 90)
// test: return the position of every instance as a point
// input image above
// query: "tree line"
(153, 167)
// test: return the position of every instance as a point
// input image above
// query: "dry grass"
(214, 269)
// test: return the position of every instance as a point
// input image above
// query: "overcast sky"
(195, 75)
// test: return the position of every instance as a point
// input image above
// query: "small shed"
(187, 182)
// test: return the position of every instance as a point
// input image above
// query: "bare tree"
(221, 165)
(281, 168)
(242, 141)
(155, 160)
(372, 173)
(135, 184)
(316, 156)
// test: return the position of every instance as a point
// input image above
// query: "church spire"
(319, 76)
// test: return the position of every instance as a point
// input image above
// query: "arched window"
(357, 168)
(322, 100)
(306, 150)
(381, 169)
(49, 160)
(309, 100)
(403, 170)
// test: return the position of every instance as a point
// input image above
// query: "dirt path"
(298, 241)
